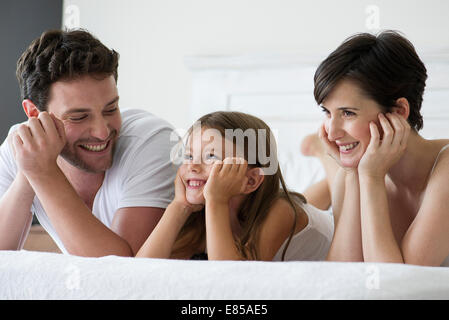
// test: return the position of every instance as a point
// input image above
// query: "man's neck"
(86, 184)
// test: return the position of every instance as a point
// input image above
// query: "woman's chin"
(350, 163)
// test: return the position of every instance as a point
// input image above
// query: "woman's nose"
(334, 130)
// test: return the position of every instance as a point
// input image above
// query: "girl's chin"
(195, 199)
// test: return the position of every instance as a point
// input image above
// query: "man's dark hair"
(386, 67)
(62, 55)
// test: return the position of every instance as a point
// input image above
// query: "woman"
(389, 184)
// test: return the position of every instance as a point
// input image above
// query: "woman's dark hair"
(386, 67)
(60, 55)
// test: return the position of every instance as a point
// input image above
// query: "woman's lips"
(348, 147)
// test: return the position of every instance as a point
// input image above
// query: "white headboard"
(279, 90)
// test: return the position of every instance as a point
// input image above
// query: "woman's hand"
(382, 154)
(180, 196)
(330, 147)
(226, 179)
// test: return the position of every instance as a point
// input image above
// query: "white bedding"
(37, 275)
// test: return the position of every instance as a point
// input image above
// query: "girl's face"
(348, 114)
(202, 150)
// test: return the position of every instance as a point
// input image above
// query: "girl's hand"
(382, 154)
(226, 179)
(180, 197)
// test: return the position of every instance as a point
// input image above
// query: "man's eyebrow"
(80, 110)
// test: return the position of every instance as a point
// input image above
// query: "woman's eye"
(326, 112)
(347, 113)
(187, 156)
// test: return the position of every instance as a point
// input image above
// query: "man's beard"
(73, 159)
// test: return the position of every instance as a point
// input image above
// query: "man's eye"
(112, 110)
(78, 118)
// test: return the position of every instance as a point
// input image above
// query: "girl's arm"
(160, 242)
(347, 240)
(226, 179)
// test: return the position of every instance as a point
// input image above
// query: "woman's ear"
(30, 108)
(402, 108)
(255, 178)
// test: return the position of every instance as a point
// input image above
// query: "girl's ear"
(30, 108)
(255, 178)
(402, 108)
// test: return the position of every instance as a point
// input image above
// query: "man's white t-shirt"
(142, 173)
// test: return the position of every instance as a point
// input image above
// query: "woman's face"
(348, 114)
(202, 150)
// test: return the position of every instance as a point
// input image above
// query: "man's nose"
(100, 129)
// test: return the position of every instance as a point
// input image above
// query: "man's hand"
(38, 143)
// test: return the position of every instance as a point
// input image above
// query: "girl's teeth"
(195, 183)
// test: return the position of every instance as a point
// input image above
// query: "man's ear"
(30, 108)
(402, 108)
(255, 178)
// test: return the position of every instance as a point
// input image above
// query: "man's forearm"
(80, 231)
(15, 214)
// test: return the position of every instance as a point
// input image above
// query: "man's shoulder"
(142, 124)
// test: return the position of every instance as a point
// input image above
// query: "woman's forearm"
(379, 243)
(347, 241)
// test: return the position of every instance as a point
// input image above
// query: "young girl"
(229, 206)
(390, 188)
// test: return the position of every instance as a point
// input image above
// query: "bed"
(279, 90)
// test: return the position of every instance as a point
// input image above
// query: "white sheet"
(37, 275)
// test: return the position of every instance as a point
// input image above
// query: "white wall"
(153, 37)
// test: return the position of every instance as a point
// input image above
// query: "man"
(97, 179)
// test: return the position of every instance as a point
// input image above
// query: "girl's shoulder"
(281, 215)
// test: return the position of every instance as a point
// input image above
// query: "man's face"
(88, 107)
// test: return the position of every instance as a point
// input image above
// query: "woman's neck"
(412, 169)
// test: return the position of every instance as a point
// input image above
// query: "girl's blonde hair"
(255, 207)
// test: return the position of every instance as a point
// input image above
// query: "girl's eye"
(187, 156)
(211, 156)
